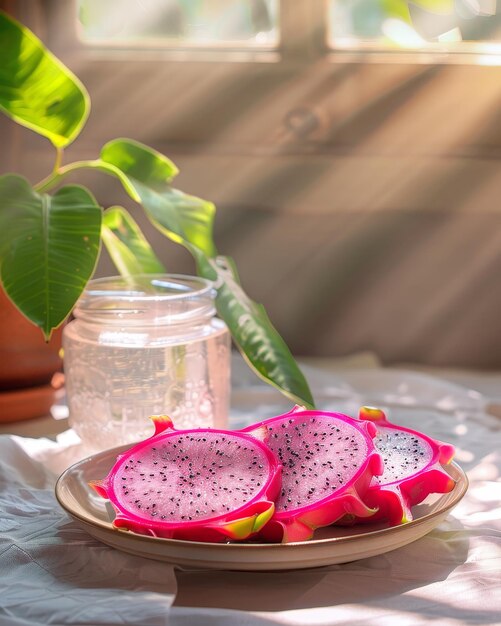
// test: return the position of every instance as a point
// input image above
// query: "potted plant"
(50, 232)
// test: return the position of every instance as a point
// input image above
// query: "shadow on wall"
(415, 286)
(406, 261)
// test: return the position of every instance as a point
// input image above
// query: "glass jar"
(142, 346)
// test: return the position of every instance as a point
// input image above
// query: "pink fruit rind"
(299, 524)
(214, 531)
(394, 498)
(238, 524)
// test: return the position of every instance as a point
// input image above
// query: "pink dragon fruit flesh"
(412, 469)
(200, 485)
(328, 461)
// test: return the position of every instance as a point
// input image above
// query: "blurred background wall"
(359, 194)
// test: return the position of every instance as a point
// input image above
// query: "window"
(435, 25)
(178, 23)
(304, 27)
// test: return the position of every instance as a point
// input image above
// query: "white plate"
(331, 545)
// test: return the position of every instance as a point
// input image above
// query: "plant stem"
(59, 172)
(97, 164)
(59, 159)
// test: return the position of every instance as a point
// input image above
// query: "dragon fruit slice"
(328, 461)
(412, 471)
(200, 484)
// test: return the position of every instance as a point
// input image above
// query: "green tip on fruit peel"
(241, 528)
(263, 518)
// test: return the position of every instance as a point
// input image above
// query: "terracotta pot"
(27, 364)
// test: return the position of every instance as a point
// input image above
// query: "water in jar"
(118, 376)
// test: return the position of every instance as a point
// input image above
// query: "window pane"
(458, 25)
(179, 22)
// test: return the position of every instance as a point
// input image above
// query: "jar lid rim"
(148, 287)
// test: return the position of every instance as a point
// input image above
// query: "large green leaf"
(140, 162)
(126, 244)
(36, 89)
(255, 336)
(49, 247)
(188, 219)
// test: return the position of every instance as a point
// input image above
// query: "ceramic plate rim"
(461, 488)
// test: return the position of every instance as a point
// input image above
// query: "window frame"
(303, 38)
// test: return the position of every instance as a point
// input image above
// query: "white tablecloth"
(53, 573)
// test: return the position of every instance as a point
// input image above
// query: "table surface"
(53, 572)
